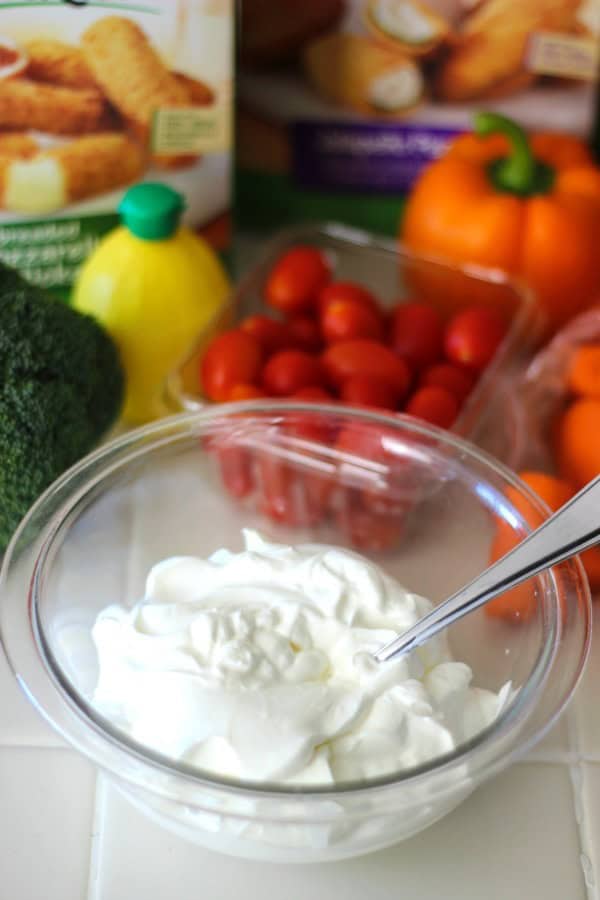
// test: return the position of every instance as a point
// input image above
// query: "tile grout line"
(97, 837)
(576, 778)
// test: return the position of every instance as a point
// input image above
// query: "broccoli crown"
(61, 387)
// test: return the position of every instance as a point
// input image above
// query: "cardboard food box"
(342, 102)
(95, 96)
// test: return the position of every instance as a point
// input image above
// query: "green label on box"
(49, 253)
(178, 131)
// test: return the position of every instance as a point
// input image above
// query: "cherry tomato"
(245, 392)
(417, 334)
(365, 440)
(316, 483)
(364, 357)
(364, 390)
(296, 279)
(433, 404)
(290, 370)
(286, 495)
(276, 489)
(233, 357)
(270, 334)
(473, 336)
(392, 499)
(338, 291)
(344, 320)
(367, 444)
(316, 394)
(235, 465)
(367, 530)
(312, 426)
(305, 334)
(457, 380)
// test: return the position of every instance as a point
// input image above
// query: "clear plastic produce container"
(393, 274)
(532, 399)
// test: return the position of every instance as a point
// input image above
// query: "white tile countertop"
(532, 833)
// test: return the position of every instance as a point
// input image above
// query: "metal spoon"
(572, 529)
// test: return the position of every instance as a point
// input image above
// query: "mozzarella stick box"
(95, 96)
(342, 102)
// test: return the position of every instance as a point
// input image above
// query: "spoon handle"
(572, 529)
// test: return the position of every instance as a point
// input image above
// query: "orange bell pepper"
(528, 206)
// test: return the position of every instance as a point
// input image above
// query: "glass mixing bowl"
(159, 491)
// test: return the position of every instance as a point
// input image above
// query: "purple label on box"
(355, 156)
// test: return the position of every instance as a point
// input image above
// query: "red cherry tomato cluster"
(335, 342)
(335, 336)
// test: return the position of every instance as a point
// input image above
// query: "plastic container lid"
(151, 211)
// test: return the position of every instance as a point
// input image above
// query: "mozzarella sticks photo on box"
(50, 108)
(58, 63)
(17, 145)
(63, 64)
(92, 102)
(199, 94)
(75, 171)
(130, 71)
(14, 146)
(136, 81)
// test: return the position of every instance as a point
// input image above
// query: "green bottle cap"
(151, 210)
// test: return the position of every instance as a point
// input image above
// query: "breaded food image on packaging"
(17, 145)
(14, 146)
(83, 168)
(96, 96)
(50, 108)
(352, 71)
(130, 72)
(199, 94)
(58, 63)
(488, 56)
(405, 25)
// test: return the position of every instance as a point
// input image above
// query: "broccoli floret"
(61, 388)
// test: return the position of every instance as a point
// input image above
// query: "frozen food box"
(95, 96)
(342, 102)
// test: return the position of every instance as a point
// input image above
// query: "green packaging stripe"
(127, 7)
(50, 252)
(266, 201)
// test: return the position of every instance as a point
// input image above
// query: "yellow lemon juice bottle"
(160, 291)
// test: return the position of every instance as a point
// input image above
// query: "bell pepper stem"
(520, 172)
(516, 172)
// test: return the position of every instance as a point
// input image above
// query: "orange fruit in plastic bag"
(518, 604)
(583, 374)
(591, 563)
(577, 441)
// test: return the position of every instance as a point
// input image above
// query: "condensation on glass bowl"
(157, 492)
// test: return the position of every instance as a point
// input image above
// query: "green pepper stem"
(520, 172)
(515, 173)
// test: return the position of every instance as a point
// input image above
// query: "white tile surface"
(559, 744)
(19, 723)
(516, 837)
(46, 800)
(586, 705)
(588, 787)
